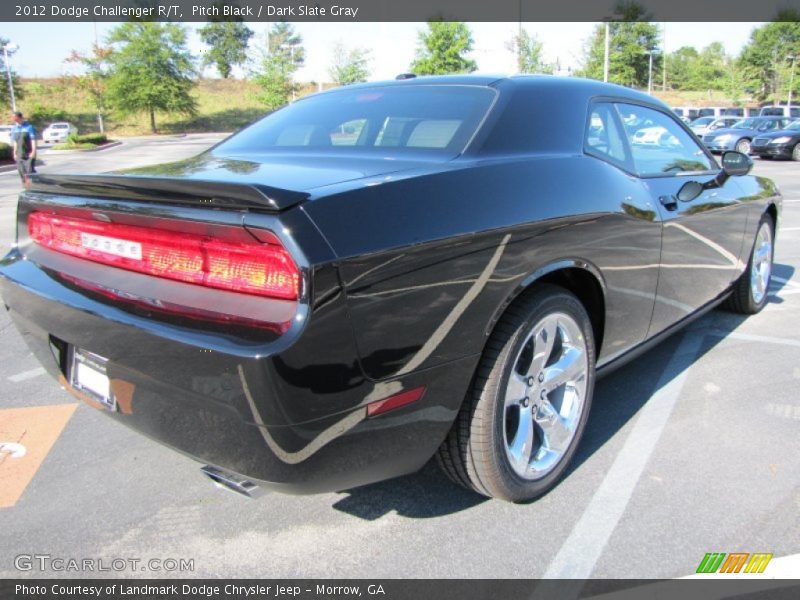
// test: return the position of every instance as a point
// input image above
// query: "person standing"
(24, 147)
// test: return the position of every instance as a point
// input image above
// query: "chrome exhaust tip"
(232, 482)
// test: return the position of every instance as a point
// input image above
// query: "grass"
(78, 146)
(223, 106)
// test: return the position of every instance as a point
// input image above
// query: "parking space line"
(26, 437)
(25, 375)
(580, 552)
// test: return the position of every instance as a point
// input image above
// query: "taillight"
(248, 268)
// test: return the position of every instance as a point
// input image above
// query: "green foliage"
(766, 59)
(283, 56)
(89, 138)
(529, 53)
(227, 43)
(151, 70)
(443, 48)
(709, 69)
(41, 115)
(19, 92)
(94, 79)
(349, 65)
(630, 39)
(5, 152)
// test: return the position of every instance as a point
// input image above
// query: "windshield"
(434, 119)
(746, 124)
(793, 125)
(702, 121)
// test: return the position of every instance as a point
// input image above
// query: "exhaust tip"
(232, 482)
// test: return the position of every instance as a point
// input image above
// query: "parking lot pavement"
(691, 448)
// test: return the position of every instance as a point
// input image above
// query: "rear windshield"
(60, 126)
(438, 119)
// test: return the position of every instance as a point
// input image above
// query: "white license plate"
(88, 375)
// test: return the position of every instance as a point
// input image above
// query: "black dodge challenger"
(380, 274)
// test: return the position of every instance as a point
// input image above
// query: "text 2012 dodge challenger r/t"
(383, 273)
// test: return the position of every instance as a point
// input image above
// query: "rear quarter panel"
(429, 262)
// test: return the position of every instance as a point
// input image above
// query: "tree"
(765, 60)
(442, 49)
(630, 40)
(94, 79)
(284, 55)
(349, 65)
(529, 53)
(151, 69)
(227, 43)
(5, 94)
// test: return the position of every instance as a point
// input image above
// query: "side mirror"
(736, 164)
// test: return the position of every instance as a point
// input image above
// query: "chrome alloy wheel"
(761, 267)
(545, 396)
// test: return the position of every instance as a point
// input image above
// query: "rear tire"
(750, 292)
(527, 407)
(796, 152)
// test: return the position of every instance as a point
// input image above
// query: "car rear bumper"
(288, 416)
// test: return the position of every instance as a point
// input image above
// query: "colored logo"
(719, 562)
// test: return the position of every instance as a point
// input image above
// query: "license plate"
(88, 375)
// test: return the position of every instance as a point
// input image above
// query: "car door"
(701, 239)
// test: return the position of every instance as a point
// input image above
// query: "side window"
(659, 145)
(603, 135)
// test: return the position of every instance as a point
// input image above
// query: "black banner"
(395, 589)
(396, 10)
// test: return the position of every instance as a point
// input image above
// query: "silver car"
(57, 133)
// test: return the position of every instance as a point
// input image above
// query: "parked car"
(321, 316)
(741, 134)
(783, 143)
(57, 133)
(5, 134)
(705, 125)
(791, 112)
(686, 111)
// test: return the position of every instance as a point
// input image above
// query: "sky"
(43, 47)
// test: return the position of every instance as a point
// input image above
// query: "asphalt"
(691, 448)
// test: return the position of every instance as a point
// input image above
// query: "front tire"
(526, 411)
(743, 146)
(796, 152)
(750, 292)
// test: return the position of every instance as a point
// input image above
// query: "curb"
(7, 168)
(98, 149)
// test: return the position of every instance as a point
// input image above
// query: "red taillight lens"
(249, 268)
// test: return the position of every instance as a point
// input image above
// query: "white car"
(654, 136)
(57, 133)
(5, 134)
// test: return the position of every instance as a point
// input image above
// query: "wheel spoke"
(567, 368)
(556, 434)
(543, 342)
(521, 446)
(516, 390)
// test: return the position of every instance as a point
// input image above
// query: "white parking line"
(578, 555)
(25, 375)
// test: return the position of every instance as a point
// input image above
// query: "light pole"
(650, 73)
(6, 49)
(605, 55)
(792, 58)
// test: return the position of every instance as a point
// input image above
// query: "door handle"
(669, 202)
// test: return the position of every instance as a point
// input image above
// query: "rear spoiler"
(172, 191)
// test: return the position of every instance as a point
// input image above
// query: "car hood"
(771, 135)
(733, 131)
